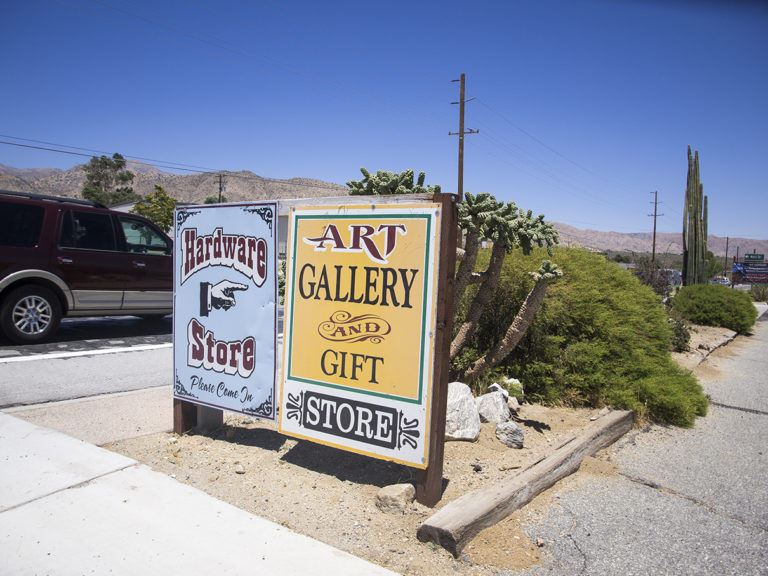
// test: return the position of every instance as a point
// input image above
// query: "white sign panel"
(225, 307)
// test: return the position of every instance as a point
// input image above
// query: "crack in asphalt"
(569, 534)
(656, 486)
(739, 408)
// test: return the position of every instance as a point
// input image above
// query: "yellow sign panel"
(360, 296)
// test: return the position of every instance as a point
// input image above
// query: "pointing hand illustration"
(219, 296)
(223, 294)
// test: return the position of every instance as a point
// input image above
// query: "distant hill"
(186, 188)
(245, 185)
(666, 243)
(28, 174)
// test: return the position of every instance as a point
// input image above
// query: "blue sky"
(584, 107)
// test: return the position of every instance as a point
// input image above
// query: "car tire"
(30, 314)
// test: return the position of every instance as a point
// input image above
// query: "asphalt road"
(87, 357)
(684, 501)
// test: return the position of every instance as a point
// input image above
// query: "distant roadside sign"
(750, 273)
(754, 257)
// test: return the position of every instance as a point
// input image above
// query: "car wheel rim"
(32, 315)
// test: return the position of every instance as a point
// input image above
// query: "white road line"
(98, 352)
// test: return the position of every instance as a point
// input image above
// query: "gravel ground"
(329, 494)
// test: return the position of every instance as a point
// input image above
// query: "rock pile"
(465, 413)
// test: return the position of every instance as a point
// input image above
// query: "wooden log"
(459, 521)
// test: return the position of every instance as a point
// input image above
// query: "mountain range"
(244, 186)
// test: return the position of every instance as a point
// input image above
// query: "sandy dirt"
(330, 494)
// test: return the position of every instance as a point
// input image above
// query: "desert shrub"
(759, 292)
(600, 338)
(681, 332)
(716, 305)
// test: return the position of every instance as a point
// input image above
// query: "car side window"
(142, 238)
(20, 224)
(87, 230)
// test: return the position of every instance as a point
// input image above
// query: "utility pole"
(461, 133)
(222, 186)
(655, 214)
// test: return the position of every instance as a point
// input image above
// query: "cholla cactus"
(545, 275)
(481, 217)
(385, 182)
(509, 227)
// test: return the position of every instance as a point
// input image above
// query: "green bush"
(759, 292)
(600, 338)
(681, 332)
(716, 305)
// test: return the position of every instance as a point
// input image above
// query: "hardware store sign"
(359, 328)
(225, 311)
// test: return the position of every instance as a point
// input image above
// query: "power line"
(87, 155)
(228, 173)
(179, 164)
(537, 140)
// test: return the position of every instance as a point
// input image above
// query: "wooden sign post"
(429, 485)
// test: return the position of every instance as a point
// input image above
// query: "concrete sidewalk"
(69, 507)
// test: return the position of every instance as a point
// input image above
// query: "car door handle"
(63, 260)
(138, 264)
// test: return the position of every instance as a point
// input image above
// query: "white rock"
(496, 387)
(462, 422)
(492, 408)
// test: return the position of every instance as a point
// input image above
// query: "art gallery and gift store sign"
(225, 307)
(359, 328)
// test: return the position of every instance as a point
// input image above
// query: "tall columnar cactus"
(694, 226)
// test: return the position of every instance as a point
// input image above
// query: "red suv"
(66, 257)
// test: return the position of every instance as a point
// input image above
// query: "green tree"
(158, 207)
(107, 181)
(214, 199)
